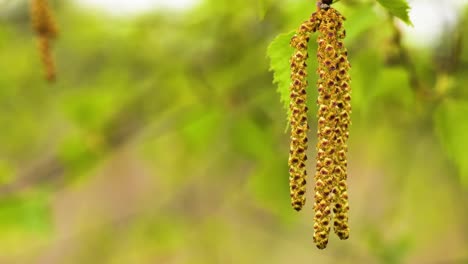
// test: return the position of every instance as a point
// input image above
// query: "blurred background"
(163, 139)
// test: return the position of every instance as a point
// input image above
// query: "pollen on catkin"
(46, 29)
(298, 114)
(334, 111)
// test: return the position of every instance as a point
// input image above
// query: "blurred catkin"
(333, 123)
(46, 57)
(46, 29)
(298, 114)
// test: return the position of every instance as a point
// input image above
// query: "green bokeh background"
(163, 140)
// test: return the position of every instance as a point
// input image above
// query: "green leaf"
(398, 8)
(452, 128)
(279, 52)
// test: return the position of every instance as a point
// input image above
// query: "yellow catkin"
(46, 30)
(46, 57)
(298, 114)
(342, 106)
(333, 123)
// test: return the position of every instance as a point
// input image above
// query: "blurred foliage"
(452, 133)
(163, 139)
(398, 8)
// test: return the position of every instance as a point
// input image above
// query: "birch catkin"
(298, 114)
(334, 110)
(46, 29)
(333, 123)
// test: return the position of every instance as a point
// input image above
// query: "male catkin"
(334, 110)
(298, 114)
(333, 124)
(46, 30)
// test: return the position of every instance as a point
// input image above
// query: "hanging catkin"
(334, 110)
(46, 30)
(298, 114)
(333, 123)
(325, 148)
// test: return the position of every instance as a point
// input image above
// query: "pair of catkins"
(334, 109)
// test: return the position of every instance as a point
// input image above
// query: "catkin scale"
(46, 30)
